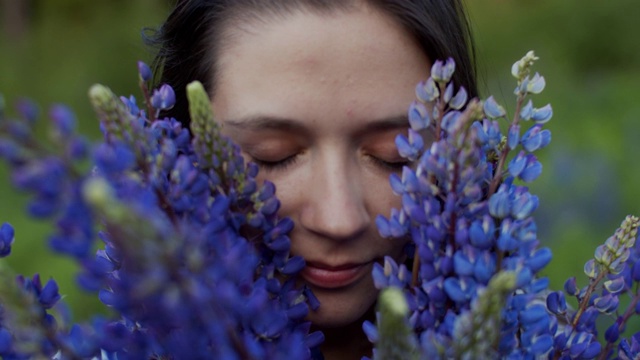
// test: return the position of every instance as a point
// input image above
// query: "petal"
(459, 100)
(540, 259)
(517, 164)
(536, 84)
(427, 91)
(542, 115)
(448, 93)
(532, 170)
(492, 109)
(615, 286)
(293, 265)
(144, 71)
(513, 137)
(418, 116)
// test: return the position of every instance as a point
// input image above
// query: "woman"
(315, 92)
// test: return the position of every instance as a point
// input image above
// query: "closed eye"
(393, 166)
(272, 165)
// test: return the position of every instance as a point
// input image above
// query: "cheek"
(291, 189)
(378, 194)
(380, 200)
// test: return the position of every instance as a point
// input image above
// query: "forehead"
(353, 65)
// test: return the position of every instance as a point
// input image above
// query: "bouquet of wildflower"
(194, 260)
(193, 257)
(474, 290)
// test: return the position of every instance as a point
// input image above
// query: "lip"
(333, 277)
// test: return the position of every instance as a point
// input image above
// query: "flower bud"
(418, 116)
(6, 239)
(613, 333)
(458, 101)
(448, 93)
(532, 170)
(163, 98)
(144, 71)
(513, 137)
(492, 109)
(49, 295)
(542, 115)
(427, 91)
(539, 260)
(442, 71)
(536, 84)
(500, 203)
(293, 265)
(520, 68)
(63, 119)
(556, 302)
(614, 286)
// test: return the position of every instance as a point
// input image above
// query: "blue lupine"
(163, 98)
(6, 239)
(536, 84)
(427, 91)
(459, 100)
(542, 115)
(443, 70)
(517, 164)
(144, 71)
(532, 169)
(513, 136)
(523, 203)
(157, 206)
(493, 109)
(556, 302)
(535, 138)
(458, 260)
(499, 203)
(63, 118)
(418, 116)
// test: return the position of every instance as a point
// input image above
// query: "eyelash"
(276, 165)
(290, 160)
(388, 165)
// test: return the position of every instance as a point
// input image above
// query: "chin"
(341, 308)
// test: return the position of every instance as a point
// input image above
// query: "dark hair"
(195, 33)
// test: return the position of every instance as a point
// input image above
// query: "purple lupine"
(468, 223)
(174, 262)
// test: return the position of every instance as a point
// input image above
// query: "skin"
(317, 101)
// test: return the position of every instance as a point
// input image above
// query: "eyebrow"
(390, 123)
(257, 123)
(265, 123)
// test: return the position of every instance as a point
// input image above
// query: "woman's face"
(317, 101)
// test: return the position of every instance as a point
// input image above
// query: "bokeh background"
(53, 50)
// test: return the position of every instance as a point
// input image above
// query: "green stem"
(585, 300)
(432, 179)
(497, 177)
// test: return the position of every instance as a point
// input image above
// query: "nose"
(336, 207)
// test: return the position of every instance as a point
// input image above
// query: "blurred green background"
(52, 51)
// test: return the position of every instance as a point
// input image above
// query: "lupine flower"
(144, 71)
(173, 212)
(195, 261)
(163, 98)
(466, 232)
(6, 239)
